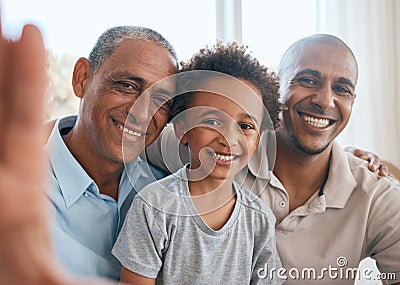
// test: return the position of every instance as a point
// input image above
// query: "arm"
(25, 251)
(383, 236)
(130, 277)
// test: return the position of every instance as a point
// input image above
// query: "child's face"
(221, 135)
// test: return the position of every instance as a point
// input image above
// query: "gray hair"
(110, 40)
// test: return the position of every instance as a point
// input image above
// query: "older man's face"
(116, 106)
(318, 91)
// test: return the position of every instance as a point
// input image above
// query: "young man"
(330, 209)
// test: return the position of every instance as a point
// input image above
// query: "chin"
(308, 149)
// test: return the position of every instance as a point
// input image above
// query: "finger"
(383, 170)
(25, 99)
(374, 161)
(3, 64)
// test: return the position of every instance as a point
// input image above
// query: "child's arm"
(130, 277)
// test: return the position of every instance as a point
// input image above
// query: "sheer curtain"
(372, 29)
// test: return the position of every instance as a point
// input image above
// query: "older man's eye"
(127, 87)
(162, 102)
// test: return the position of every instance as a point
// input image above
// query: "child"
(197, 226)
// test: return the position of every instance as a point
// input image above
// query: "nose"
(324, 97)
(230, 136)
(141, 111)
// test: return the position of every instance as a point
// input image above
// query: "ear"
(82, 71)
(180, 133)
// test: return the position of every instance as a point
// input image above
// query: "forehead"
(230, 95)
(330, 61)
(142, 59)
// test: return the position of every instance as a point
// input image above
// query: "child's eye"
(211, 122)
(246, 126)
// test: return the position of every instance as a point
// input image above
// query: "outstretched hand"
(25, 252)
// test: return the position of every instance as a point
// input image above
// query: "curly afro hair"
(234, 60)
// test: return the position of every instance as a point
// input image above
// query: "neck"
(105, 173)
(209, 194)
(300, 173)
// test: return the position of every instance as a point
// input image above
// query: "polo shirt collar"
(71, 177)
(341, 181)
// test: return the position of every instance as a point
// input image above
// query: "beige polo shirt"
(323, 241)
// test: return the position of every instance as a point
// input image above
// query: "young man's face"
(318, 91)
(114, 107)
(222, 136)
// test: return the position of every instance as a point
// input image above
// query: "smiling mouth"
(126, 130)
(223, 157)
(316, 122)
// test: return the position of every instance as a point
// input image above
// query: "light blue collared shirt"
(86, 222)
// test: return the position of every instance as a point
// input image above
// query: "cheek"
(160, 118)
(251, 144)
(345, 109)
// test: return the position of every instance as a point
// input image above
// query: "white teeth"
(315, 122)
(223, 157)
(128, 131)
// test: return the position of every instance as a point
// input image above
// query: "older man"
(89, 189)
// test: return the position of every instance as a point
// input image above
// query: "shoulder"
(254, 205)
(368, 180)
(164, 194)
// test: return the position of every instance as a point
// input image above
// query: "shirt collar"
(341, 181)
(135, 176)
(338, 187)
(71, 177)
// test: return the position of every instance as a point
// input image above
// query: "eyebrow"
(142, 82)
(317, 74)
(346, 81)
(217, 112)
(312, 72)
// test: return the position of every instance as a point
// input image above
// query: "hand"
(375, 162)
(25, 253)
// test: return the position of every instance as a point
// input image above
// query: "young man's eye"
(307, 82)
(342, 91)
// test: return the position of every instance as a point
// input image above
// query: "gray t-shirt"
(164, 237)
